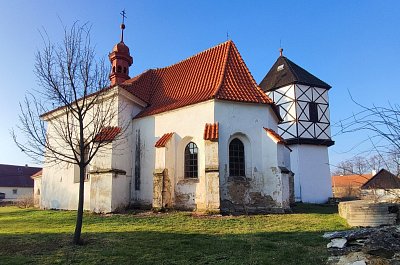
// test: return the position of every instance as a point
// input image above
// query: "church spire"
(120, 58)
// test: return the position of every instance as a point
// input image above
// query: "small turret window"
(313, 108)
(113, 69)
(119, 69)
(124, 70)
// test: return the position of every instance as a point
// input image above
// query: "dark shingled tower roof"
(285, 72)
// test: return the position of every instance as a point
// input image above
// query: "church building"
(204, 136)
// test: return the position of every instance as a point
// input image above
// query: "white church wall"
(59, 190)
(262, 187)
(144, 153)
(310, 163)
(37, 190)
(122, 153)
(188, 125)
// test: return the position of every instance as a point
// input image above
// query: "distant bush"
(25, 201)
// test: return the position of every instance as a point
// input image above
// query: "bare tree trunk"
(82, 166)
(79, 216)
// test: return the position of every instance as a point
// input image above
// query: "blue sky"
(352, 45)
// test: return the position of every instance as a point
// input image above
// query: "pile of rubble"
(365, 246)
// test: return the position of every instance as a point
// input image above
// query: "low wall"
(368, 213)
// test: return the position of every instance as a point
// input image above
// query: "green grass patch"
(44, 237)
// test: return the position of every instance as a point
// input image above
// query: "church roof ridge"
(216, 73)
(195, 55)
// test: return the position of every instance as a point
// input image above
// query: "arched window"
(236, 158)
(119, 69)
(191, 167)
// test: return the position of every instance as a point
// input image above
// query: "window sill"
(238, 179)
(188, 180)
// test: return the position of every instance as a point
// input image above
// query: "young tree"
(74, 103)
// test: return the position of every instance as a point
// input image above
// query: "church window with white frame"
(191, 160)
(236, 158)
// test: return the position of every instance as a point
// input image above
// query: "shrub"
(25, 201)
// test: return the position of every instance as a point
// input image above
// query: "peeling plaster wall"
(188, 125)
(261, 190)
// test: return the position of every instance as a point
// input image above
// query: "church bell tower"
(120, 59)
(304, 106)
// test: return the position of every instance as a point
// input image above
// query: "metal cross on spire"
(123, 24)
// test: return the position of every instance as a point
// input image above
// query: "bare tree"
(73, 106)
(343, 168)
(382, 125)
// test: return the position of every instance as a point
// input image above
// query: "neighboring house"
(37, 187)
(203, 136)
(348, 186)
(383, 186)
(15, 181)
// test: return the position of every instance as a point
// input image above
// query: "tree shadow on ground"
(314, 208)
(150, 247)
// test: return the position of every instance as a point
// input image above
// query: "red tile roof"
(275, 136)
(162, 142)
(350, 180)
(217, 73)
(107, 134)
(211, 131)
(17, 176)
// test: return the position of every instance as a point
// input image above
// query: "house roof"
(285, 72)
(162, 142)
(17, 176)
(353, 180)
(107, 134)
(211, 131)
(37, 174)
(382, 180)
(217, 73)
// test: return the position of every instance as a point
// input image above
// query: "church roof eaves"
(277, 138)
(211, 132)
(107, 134)
(162, 142)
